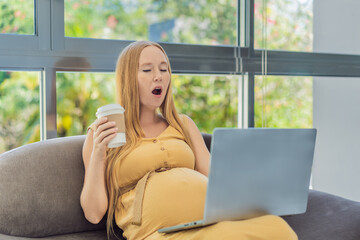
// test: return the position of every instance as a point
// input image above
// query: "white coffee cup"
(114, 113)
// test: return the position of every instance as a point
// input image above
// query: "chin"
(153, 107)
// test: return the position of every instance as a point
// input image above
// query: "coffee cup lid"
(111, 108)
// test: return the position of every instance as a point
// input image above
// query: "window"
(196, 22)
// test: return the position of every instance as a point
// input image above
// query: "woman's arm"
(202, 155)
(94, 199)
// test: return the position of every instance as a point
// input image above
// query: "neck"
(148, 117)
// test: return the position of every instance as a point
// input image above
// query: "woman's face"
(153, 77)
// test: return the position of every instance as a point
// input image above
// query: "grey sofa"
(40, 186)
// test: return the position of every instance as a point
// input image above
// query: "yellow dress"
(160, 188)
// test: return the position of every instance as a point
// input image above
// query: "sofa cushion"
(40, 186)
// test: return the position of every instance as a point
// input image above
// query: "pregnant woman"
(159, 177)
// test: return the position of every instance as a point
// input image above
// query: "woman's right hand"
(104, 132)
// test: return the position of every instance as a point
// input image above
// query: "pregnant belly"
(173, 197)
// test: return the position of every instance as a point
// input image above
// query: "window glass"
(283, 102)
(78, 97)
(198, 22)
(19, 109)
(211, 101)
(288, 25)
(17, 16)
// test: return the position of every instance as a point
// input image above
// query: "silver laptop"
(254, 172)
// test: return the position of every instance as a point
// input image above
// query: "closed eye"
(163, 70)
(146, 70)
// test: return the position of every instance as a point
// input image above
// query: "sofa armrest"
(327, 217)
(40, 185)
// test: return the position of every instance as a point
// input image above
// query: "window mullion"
(57, 25)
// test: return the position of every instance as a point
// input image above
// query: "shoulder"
(188, 122)
(185, 119)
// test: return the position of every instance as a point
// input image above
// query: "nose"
(157, 75)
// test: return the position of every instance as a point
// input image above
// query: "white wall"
(336, 102)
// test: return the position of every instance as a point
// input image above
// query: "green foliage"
(19, 109)
(288, 23)
(211, 101)
(283, 102)
(197, 22)
(17, 17)
(78, 97)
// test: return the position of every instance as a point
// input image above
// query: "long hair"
(127, 94)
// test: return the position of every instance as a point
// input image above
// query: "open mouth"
(157, 91)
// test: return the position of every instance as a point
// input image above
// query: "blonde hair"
(128, 96)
